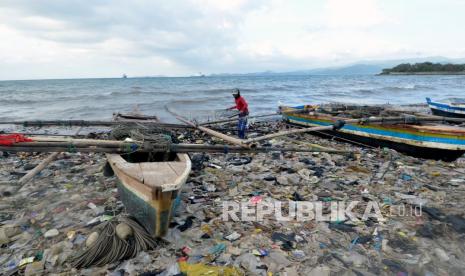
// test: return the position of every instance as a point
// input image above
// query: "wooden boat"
(425, 140)
(452, 109)
(149, 189)
(134, 116)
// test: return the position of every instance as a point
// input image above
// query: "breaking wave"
(408, 87)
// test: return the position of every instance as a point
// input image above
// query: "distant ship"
(125, 76)
(199, 75)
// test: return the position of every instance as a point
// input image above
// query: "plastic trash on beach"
(74, 198)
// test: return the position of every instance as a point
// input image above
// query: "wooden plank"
(143, 191)
(177, 167)
(157, 174)
(132, 170)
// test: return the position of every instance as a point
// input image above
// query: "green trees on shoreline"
(425, 67)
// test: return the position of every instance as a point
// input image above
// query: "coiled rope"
(109, 248)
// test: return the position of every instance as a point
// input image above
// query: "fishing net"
(225, 114)
(141, 133)
(152, 139)
(113, 245)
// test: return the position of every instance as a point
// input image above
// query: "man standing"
(243, 108)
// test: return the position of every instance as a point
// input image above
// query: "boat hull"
(135, 117)
(154, 215)
(403, 138)
(443, 113)
(153, 206)
(446, 110)
(415, 151)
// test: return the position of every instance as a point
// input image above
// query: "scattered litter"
(233, 236)
(47, 227)
(51, 233)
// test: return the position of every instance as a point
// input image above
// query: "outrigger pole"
(122, 147)
(84, 123)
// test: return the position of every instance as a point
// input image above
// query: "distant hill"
(368, 67)
(425, 68)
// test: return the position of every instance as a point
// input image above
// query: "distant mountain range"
(360, 68)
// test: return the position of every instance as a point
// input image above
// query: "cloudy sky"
(106, 38)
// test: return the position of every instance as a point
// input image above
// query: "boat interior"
(142, 157)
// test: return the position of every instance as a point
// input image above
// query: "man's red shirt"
(241, 105)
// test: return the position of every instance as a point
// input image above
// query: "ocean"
(206, 97)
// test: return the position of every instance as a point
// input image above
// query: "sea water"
(206, 97)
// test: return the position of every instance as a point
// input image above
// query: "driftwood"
(41, 166)
(37, 169)
(217, 134)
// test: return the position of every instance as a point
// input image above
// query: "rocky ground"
(49, 219)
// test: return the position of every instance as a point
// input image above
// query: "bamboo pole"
(173, 148)
(69, 123)
(71, 145)
(424, 118)
(287, 132)
(214, 133)
(225, 148)
(63, 149)
(232, 120)
(43, 141)
(217, 134)
(441, 118)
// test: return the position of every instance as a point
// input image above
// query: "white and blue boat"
(455, 108)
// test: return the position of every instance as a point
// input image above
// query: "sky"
(109, 38)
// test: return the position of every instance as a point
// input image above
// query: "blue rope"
(134, 147)
(72, 148)
(354, 242)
